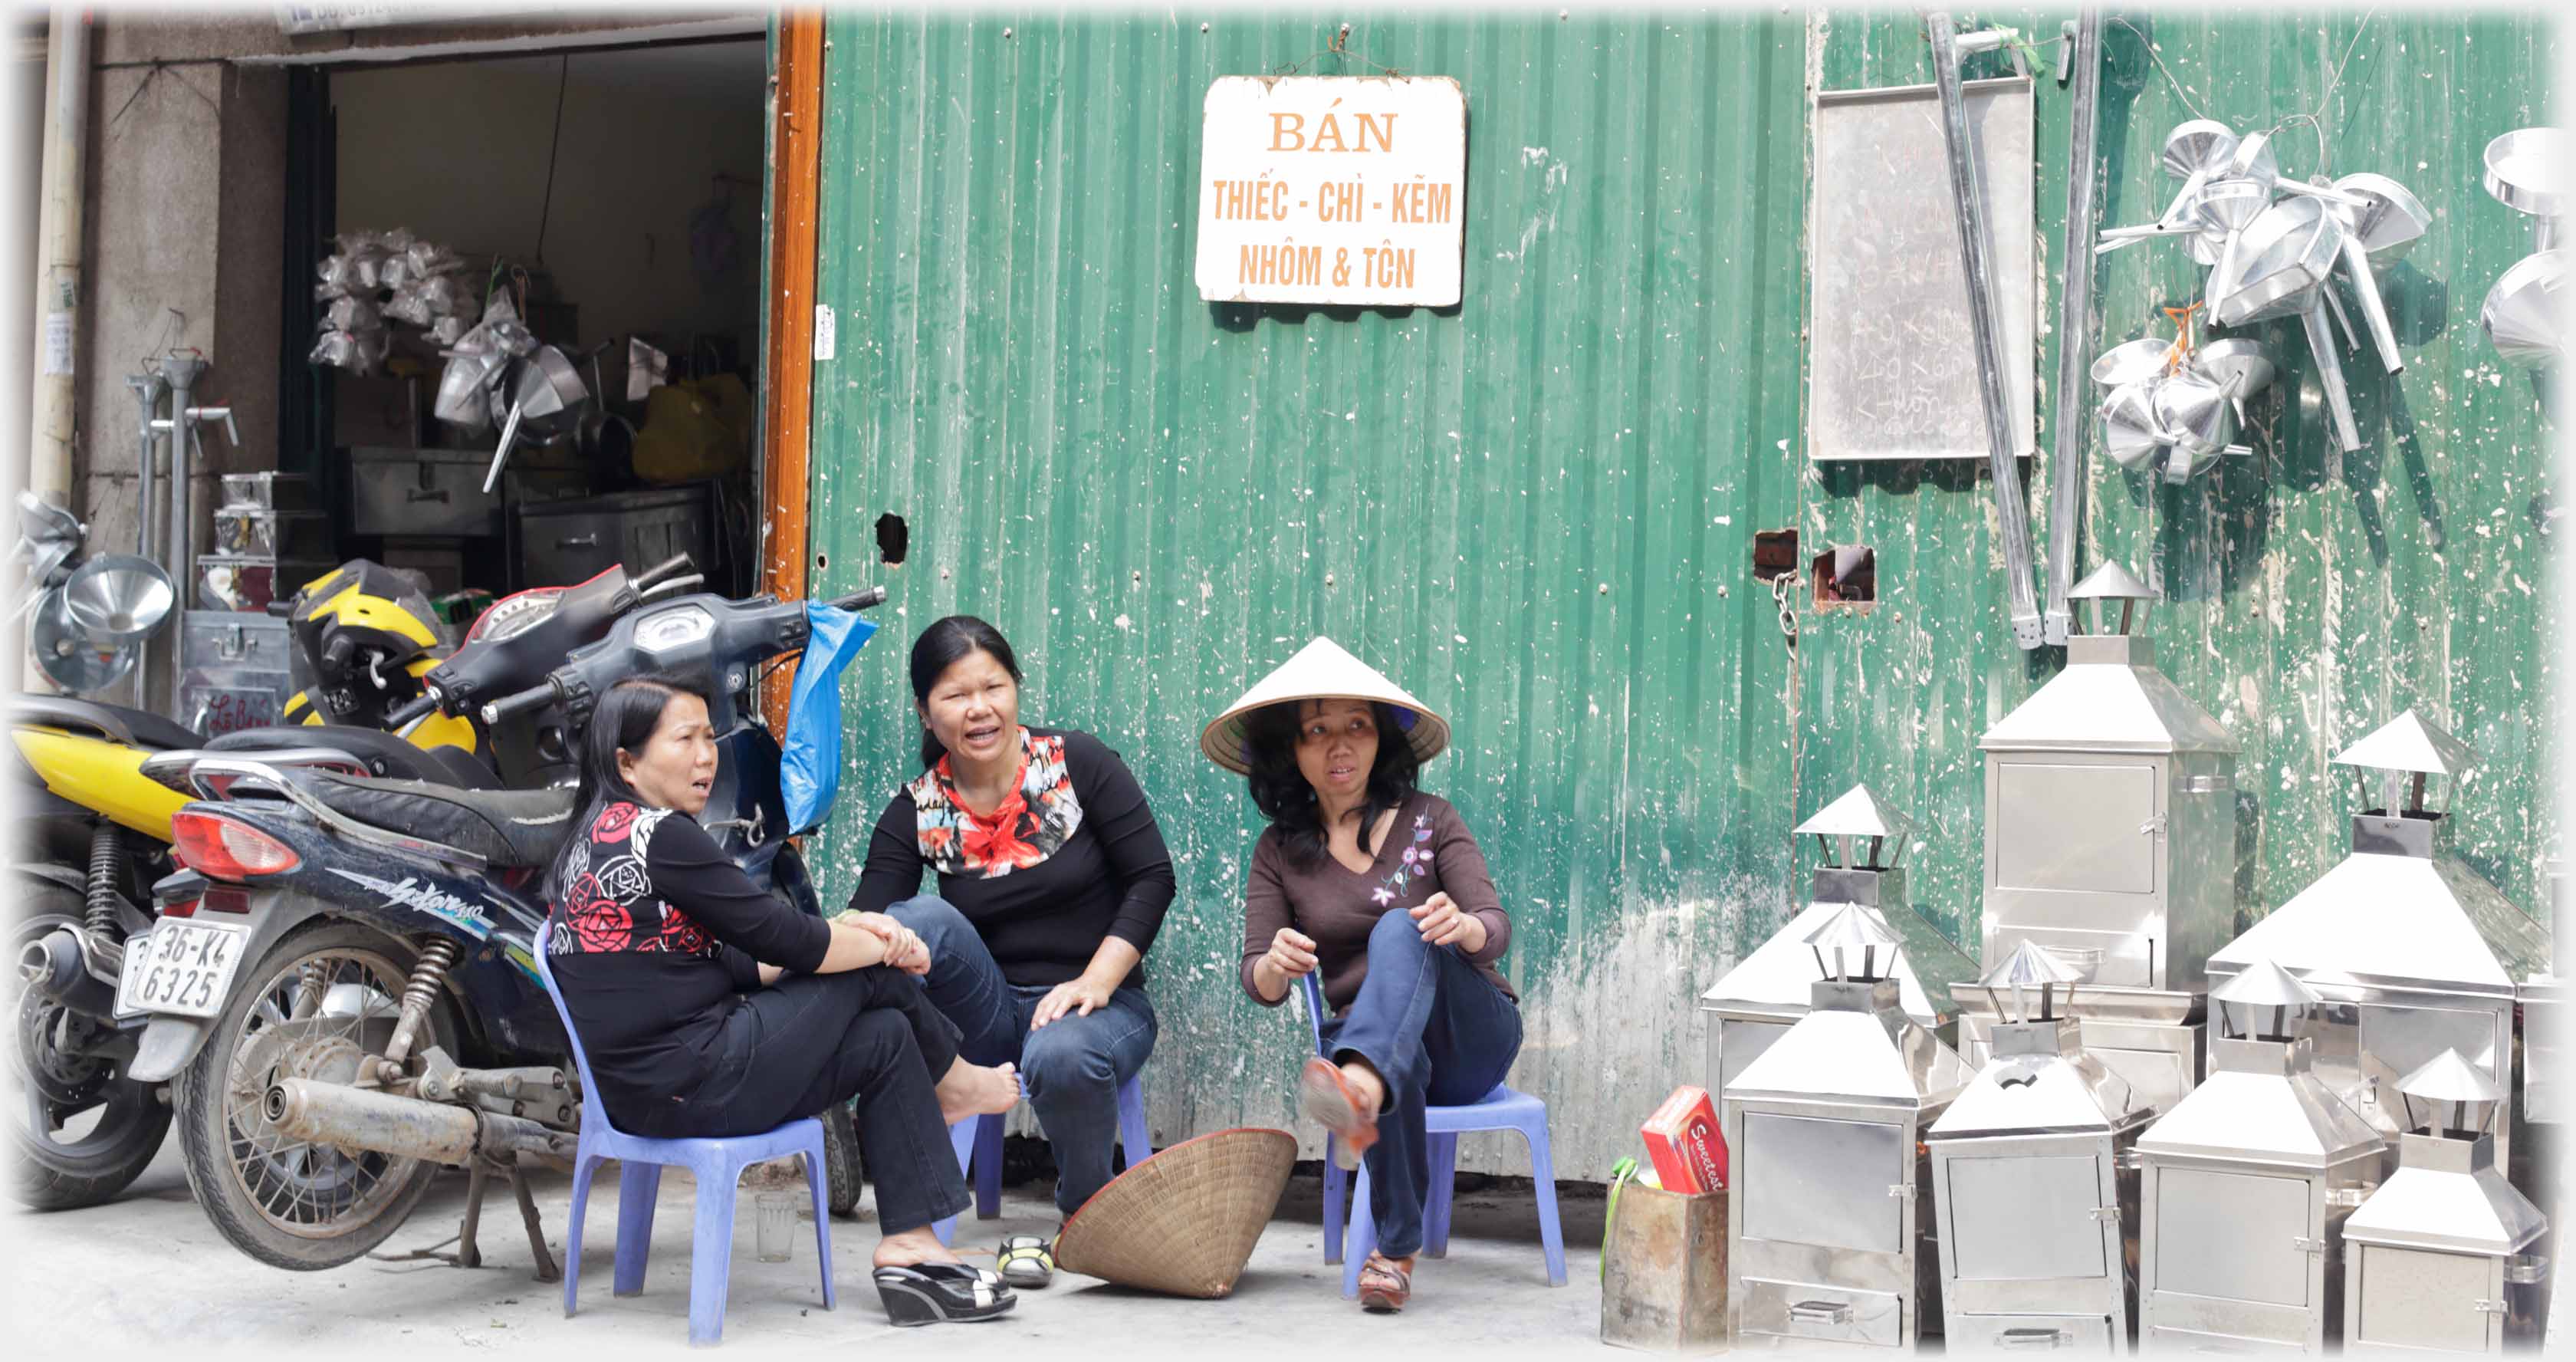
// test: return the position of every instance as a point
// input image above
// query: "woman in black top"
(1052, 879)
(675, 969)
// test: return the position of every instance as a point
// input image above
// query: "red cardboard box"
(1683, 1141)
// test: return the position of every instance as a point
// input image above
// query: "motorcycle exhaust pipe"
(57, 967)
(405, 1127)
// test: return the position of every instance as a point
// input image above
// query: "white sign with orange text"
(1333, 189)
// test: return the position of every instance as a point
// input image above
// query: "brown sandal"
(1327, 1098)
(1385, 1286)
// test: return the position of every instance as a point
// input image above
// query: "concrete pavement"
(149, 1271)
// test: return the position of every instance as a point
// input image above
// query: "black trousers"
(815, 1040)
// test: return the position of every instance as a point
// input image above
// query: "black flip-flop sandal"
(942, 1293)
(1027, 1261)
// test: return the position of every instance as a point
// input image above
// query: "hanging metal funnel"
(118, 598)
(67, 656)
(2526, 170)
(2198, 422)
(2133, 361)
(2523, 315)
(2194, 151)
(2382, 224)
(2131, 434)
(2281, 254)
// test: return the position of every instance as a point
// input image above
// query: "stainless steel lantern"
(2245, 1185)
(2038, 1219)
(2111, 842)
(2437, 1257)
(2410, 951)
(1864, 844)
(1832, 1202)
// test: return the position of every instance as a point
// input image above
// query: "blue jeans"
(1440, 1035)
(1071, 1069)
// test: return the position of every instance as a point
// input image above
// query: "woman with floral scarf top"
(1053, 880)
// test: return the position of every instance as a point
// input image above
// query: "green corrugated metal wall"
(1536, 510)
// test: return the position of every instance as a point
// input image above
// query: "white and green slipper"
(1027, 1261)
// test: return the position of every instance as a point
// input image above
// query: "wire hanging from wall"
(554, 148)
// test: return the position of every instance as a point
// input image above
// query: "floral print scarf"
(1038, 816)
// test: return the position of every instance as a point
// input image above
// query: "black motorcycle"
(342, 983)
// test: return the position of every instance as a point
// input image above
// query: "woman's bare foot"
(912, 1247)
(1365, 1085)
(974, 1090)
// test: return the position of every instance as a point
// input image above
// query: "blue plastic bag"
(809, 770)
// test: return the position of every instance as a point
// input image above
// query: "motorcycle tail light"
(179, 908)
(215, 845)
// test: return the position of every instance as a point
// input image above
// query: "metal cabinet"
(563, 542)
(436, 493)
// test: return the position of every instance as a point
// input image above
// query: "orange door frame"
(796, 136)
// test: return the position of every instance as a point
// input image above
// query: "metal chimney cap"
(1858, 813)
(2031, 965)
(2113, 582)
(2447, 1077)
(1852, 927)
(2264, 984)
(2410, 742)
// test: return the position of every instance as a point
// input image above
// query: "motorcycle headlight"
(672, 630)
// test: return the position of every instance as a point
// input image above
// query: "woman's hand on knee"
(1443, 923)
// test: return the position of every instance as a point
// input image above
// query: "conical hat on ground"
(1322, 670)
(1184, 1221)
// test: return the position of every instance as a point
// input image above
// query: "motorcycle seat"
(385, 754)
(504, 827)
(116, 723)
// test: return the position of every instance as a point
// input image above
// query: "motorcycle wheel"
(100, 1130)
(304, 1207)
(840, 1161)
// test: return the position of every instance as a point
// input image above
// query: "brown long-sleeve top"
(1427, 851)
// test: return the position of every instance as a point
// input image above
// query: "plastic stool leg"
(814, 1180)
(1334, 1186)
(581, 1171)
(1444, 1184)
(988, 1167)
(1132, 1130)
(711, 1251)
(1551, 1235)
(639, 1188)
(1363, 1238)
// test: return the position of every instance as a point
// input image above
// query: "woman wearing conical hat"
(1378, 889)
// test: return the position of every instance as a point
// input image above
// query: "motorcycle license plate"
(183, 968)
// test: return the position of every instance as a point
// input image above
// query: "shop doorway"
(608, 200)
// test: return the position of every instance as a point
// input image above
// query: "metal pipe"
(2374, 309)
(2074, 327)
(2012, 515)
(343, 1117)
(183, 371)
(59, 212)
(149, 388)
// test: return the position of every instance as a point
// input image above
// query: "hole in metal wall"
(1775, 554)
(1845, 574)
(894, 539)
(822, 560)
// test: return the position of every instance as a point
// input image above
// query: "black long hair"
(939, 648)
(622, 721)
(1282, 794)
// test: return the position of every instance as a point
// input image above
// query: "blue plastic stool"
(978, 1144)
(1501, 1109)
(717, 1165)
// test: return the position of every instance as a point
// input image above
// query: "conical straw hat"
(1322, 671)
(1184, 1221)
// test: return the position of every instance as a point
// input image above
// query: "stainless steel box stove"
(2436, 1258)
(2037, 1200)
(2409, 950)
(1755, 1003)
(2245, 1185)
(2111, 842)
(1832, 1202)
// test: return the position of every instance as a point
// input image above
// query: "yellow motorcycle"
(96, 835)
